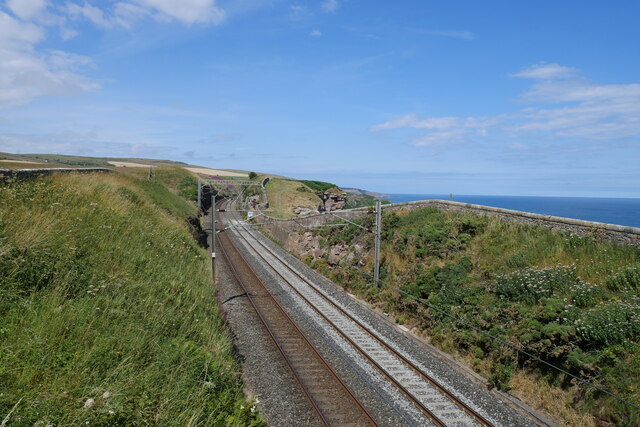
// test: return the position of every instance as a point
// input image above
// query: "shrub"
(603, 325)
(318, 186)
(626, 279)
(531, 285)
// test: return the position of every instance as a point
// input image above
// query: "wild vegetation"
(318, 186)
(477, 287)
(107, 311)
(361, 200)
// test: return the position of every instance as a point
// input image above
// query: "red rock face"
(333, 200)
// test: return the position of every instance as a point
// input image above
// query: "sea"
(608, 210)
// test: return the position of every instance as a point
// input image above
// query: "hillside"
(17, 161)
(107, 311)
(477, 288)
(289, 198)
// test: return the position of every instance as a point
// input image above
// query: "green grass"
(527, 285)
(104, 295)
(283, 196)
(318, 186)
(361, 201)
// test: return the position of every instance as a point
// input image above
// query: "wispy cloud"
(26, 9)
(546, 71)
(126, 13)
(330, 5)
(462, 35)
(316, 33)
(562, 105)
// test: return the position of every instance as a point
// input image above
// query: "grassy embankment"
(107, 311)
(525, 285)
(284, 195)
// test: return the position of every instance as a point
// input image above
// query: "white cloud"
(330, 5)
(26, 74)
(89, 12)
(315, 33)
(15, 34)
(298, 12)
(186, 11)
(574, 109)
(26, 9)
(126, 13)
(462, 35)
(546, 71)
(68, 33)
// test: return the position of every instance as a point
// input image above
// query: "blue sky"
(469, 97)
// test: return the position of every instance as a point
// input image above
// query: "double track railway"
(327, 394)
(329, 397)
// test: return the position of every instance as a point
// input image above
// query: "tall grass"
(107, 311)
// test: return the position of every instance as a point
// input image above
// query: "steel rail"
(463, 406)
(281, 350)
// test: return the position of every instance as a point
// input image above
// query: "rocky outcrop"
(340, 254)
(253, 202)
(334, 199)
(304, 244)
(303, 211)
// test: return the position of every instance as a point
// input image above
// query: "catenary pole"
(376, 268)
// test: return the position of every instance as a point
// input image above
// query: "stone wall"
(279, 229)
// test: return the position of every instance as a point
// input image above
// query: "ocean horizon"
(609, 210)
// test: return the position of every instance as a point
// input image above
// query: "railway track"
(427, 394)
(329, 397)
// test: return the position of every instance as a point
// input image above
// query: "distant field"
(19, 161)
(219, 172)
(129, 165)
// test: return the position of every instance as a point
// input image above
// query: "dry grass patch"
(558, 404)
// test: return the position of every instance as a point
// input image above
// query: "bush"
(531, 285)
(318, 186)
(602, 325)
(626, 279)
